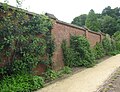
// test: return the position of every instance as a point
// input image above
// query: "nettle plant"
(24, 40)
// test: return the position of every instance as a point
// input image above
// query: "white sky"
(66, 10)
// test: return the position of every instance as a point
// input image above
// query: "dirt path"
(112, 84)
(88, 80)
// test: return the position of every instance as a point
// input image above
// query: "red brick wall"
(93, 38)
(63, 31)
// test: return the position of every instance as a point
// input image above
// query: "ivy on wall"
(24, 40)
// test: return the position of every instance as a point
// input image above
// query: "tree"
(118, 25)
(114, 13)
(92, 22)
(80, 20)
(107, 11)
(111, 20)
(108, 25)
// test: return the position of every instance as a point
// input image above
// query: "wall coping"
(71, 25)
(75, 26)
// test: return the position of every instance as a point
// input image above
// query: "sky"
(66, 10)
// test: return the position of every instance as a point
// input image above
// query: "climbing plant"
(71, 58)
(23, 40)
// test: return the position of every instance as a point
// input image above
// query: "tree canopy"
(108, 25)
(80, 20)
(108, 21)
(91, 21)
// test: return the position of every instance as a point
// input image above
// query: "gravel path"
(88, 80)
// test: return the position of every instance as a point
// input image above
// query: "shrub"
(114, 47)
(24, 40)
(38, 82)
(79, 43)
(98, 51)
(66, 70)
(115, 52)
(81, 46)
(21, 83)
(116, 36)
(89, 59)
(116, 40)
(79, 52)
(107, 45)
(50, 75)
(118, 45)
(71, 58)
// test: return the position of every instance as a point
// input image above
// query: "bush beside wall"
(25, 42)
(98, 51)
(79, 52)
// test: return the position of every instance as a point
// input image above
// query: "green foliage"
(80, 20)
(118, 45)
(23, 40)
(78, 43)
(71, 58)
(118, 25)
(50, 49)
(113, 42)
(107, 45)
(108, 21)
(21, 83)
(111, 45)
(79, 52)
(114, 13)
(81, 45)
(116, 38)
(50, 75)
(107, 11)
(37, 82)
(108, 25)
(66, 70)
(115, 52)
(98, 51)
(92, 22)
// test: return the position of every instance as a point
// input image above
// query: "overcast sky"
(66, 10)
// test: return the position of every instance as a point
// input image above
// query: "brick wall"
(61, 31)
(93, 38)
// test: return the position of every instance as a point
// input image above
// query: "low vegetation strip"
(80, 54)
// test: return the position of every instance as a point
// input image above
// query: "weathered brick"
(62, 31)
